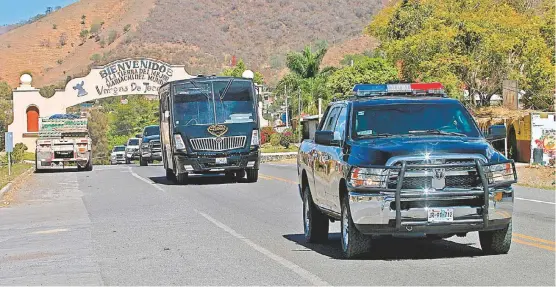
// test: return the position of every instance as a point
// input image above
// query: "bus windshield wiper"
(437, 132)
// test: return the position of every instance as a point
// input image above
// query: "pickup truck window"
(133, 142)
(119, 148)
(331, 119)
(340, 124)
(413, 119)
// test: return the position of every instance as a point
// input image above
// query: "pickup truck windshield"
(152, 131)
(133, 142)
(412, 119)
(119, 148)
(213, 102)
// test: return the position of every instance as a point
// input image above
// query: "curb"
(268, 157)
(8, 186)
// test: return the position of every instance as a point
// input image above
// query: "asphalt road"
(126, 225)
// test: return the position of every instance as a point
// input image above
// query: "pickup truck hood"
(118, 152)
(378, 151)
(150, 138)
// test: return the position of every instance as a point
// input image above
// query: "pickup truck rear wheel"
(170, 175)
(252, 175)
(496, 241)
(354, 243)
(315, 224)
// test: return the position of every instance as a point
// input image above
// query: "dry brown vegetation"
(537, 176)
(203, 35)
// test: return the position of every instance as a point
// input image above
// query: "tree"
(305, 64)
(474, 44)
(48, 10)
(5, 91)
(365, 70)
(98, 125)
(238, 69)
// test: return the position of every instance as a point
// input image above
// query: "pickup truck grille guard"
(401, 194)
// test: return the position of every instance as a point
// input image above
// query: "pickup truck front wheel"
(252, 175)
(354, 243)
(315, 224)
(496, 241)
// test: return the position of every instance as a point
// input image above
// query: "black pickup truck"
(404, 160)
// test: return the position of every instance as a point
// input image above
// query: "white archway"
(137, 76)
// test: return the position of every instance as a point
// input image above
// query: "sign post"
(9, 142)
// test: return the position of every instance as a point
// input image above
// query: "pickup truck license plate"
(440, 214)
(221, 160)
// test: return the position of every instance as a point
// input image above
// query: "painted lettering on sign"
(142, 76)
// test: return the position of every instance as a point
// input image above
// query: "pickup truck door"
(323, 162)
(336, 163)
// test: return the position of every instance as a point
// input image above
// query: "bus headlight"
(255, 138)
(180, 145)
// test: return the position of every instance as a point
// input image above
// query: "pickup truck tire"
(182, 178)
(496, 241)
(315, 223)
(143, 162)
(252, 175)
(170, 175)
(240, 174)
(354, 243)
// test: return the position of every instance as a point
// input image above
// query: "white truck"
(63, 143)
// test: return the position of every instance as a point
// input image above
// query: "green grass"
(273, 149)
(17, 169)
(29, 156)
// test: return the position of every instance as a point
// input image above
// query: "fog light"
(251, 164)
(188, 167)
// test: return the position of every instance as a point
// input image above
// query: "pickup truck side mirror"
(325, 138)
(496, 132)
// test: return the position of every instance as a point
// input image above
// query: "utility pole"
(286, 93)
(299, 110)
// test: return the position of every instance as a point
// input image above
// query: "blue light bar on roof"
(370, 88)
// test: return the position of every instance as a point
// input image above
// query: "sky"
(13, 11)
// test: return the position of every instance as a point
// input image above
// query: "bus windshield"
(214, 101)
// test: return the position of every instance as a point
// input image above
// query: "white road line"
(534, 200)
(315, 280)
(146, 180)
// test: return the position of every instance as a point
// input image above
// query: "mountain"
(203, 35)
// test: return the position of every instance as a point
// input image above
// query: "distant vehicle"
(209, 125)
(63, 143)
(404, 159)
(118, 155)
(150, 145)
(132, 150)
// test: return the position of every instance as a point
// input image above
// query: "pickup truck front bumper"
(394, 211)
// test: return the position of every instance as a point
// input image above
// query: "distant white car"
(132, 149)
(118, 155)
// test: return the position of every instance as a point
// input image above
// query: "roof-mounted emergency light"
(370, 90)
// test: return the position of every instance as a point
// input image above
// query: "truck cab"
(404, 160)
(210, 125)
(132, 150)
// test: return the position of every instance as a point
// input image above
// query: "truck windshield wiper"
(437, 132)
(380, 135)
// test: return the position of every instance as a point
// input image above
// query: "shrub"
(102, 43)
(18, 152)
(48, 91)
(266, 132)
(54, 26)
(96, 57)
(289, 134)
(127, 28)
(83, 35)
(275, 139)
(59, 61)
(112, 36)
(285, 140)
(63, 40)
(95, 28)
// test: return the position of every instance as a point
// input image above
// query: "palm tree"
(306, 64)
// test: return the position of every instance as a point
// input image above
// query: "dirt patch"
(537, 176)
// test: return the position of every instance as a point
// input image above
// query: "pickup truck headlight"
(255, 138)
(180, 145)
(368, 177)
(499, 173)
